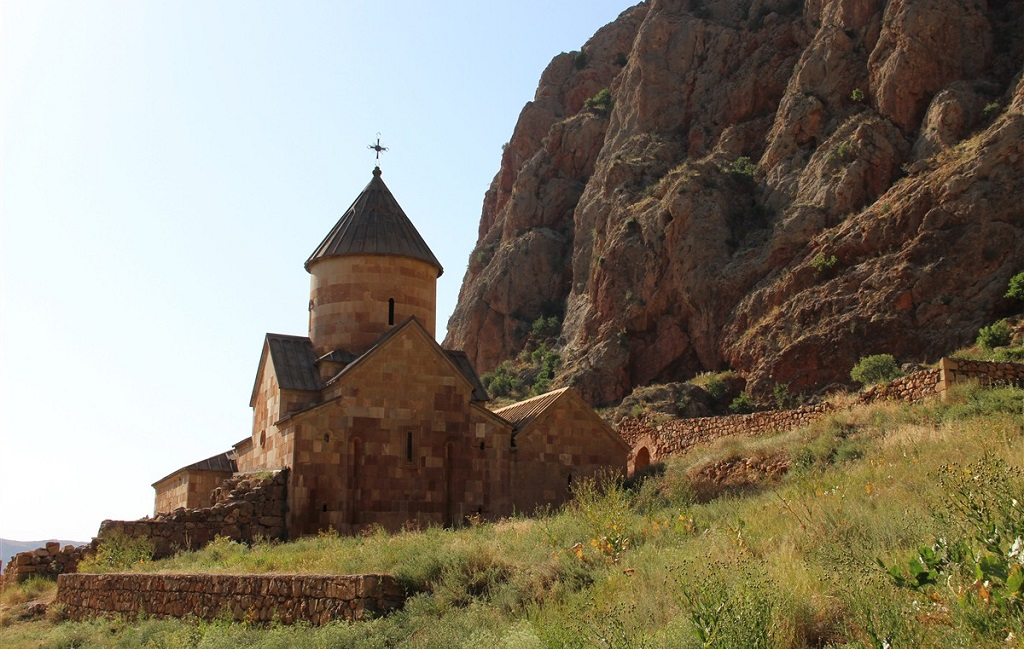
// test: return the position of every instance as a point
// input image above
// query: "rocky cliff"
(775, 186)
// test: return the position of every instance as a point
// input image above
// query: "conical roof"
(374, 225)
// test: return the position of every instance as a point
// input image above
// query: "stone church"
(375, 421)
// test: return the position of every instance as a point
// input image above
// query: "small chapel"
(378, 424)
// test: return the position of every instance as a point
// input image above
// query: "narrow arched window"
(408, 446)
(391, 311)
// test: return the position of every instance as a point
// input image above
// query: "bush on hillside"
(601, 103)
(118, 552)
(742, 405)
(995, 335)
(1016, 289)
(877, 368)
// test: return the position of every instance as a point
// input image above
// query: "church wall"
(352, 467)
(189, 489)
(566, 443)
(171, 493)
(271, 449)
(349, 299)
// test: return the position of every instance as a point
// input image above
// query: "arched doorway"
(641, 460)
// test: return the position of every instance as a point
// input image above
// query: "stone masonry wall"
(909, 388)
(48, 562)
(316, 599)
(246, 507)
(959, 371)
(677, 436)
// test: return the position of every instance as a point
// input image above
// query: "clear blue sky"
(165, 169)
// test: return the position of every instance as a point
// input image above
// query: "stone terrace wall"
(909, 388)
(48, 562)
(247, 507)
(959, 371)
(679, 435)
(316, 599)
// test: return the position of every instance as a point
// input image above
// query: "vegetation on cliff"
(888, 525)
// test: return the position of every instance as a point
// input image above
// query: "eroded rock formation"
(776, 186)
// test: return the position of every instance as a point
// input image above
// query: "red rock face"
(879, 212)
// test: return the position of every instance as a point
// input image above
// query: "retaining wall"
(247, 507)
(909, 388)
(676, 436)
(316, 599)
(957, 371)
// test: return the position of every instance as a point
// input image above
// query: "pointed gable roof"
(374, 225)
(294, 364)
(522, 413)
(456, 360)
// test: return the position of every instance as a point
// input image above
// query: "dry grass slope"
(890, 525)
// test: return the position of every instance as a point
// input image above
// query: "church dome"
(374, 225)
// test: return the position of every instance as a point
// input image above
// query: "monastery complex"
(377, 424)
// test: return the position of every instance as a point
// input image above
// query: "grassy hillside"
(894, 525)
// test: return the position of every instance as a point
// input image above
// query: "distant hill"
(9, 548)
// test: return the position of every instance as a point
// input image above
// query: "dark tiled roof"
(374, 224)
(221, 462)
(521, 414)
(294, 362)
(337, 356)
(462, 361)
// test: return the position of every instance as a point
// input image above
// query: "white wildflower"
(1017, 550)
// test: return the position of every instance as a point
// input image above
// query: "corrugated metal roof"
(375, 224)
(294, 362)
(465, 366)
(522, 413)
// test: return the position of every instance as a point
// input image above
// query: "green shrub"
(995, 335)
(715, 387)
(877, 368)
(1015, 291)
(743, 166)
(822, 263)
(783, 398)
(714, 383)
(544, 329)
(117, 551)
(580, 60)
(601, 103)
(857, 95)
(548, 362)
(742, 404)
(842, 153)
(983, 510)
(503, 381)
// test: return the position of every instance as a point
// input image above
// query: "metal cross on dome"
(378, 148)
